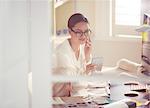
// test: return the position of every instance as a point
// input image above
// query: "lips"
(82, 39)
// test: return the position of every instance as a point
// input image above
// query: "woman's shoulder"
(63, 46)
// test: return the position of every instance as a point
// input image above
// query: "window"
(126, 13)
(126, 16)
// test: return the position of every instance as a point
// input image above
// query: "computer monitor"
(146, 45)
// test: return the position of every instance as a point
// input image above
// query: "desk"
(120, 75)
(118, 91)
(116, 94)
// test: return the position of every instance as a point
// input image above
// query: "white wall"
(24, 47)
(146, 6)
(102, 22)
(41, 29)
(1, 58)
(111, 47)
(113, 50)
(14, 54)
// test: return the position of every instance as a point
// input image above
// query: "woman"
(73, 56)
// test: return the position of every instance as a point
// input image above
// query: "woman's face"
(80, 32)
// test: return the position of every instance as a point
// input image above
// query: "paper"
(98, 84)
(58, 100)
(98, 92)
(72, 100)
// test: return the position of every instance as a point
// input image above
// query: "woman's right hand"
(88, 49)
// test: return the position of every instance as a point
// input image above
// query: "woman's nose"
(83, 36)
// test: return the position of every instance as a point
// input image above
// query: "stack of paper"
(93, 89)
(58, 100)
(139, 88)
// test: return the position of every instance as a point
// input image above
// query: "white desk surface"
(117, 75)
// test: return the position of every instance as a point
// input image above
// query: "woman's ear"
(69, 30)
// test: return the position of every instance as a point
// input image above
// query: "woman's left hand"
(90, 68)
(88, 49)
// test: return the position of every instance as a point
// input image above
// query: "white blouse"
(66, 63)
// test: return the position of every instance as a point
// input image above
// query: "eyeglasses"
(80, 34)
(146, 59)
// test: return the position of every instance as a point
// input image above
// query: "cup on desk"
(98, 61)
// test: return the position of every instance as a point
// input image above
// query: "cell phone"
(98, 61)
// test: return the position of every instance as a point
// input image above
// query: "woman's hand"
(69, 88)
(88, 49)
(90, 68)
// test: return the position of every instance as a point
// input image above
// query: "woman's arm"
(88, 49)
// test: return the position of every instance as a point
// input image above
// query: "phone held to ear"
(98, 61)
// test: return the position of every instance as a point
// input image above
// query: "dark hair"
(76, 18)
